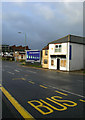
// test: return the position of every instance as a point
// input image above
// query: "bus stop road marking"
(31, 82)
(82, 100)
(67, 91)
(19, 108)
(61, 93)
(43, 86)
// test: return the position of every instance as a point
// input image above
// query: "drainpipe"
(68, 61)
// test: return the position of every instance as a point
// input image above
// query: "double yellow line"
(18, 107)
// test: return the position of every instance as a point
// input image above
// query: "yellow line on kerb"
(61, 93)
(43, 86)
(18, 107)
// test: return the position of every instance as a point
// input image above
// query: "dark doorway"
(58, 64)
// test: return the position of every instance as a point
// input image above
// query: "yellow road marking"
(18, 79)
(40, 106)
(31, 82)
(0, 85)
(82, 100)
(43, 86)
(18, 107)
(23, 78)
(61, 93)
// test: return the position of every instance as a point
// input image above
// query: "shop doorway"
(58, 64)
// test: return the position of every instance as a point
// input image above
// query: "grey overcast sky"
(42, 22)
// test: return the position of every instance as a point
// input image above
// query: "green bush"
(22, 60)
(84, 71)
(7, 58)
(3, 58)
(23, 63)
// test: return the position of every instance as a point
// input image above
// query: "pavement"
(41, 94)
(78, 72)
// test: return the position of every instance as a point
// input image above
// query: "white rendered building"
(67, 53)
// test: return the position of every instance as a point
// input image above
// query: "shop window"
(52, 62)
(63, 63)
(45, 61)
(46, 52)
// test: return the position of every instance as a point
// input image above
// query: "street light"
(25, 39)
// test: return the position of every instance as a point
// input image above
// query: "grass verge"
(38, 65)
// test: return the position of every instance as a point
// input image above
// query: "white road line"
(7, 66)
(19, 69)
(16, 70)
(80, 80)
(10, 73)
(31, 71)
(67, 91)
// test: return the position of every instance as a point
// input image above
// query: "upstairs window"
(46, 52)
(58, 48)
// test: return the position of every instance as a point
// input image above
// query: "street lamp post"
(25, 41)
(25, 38)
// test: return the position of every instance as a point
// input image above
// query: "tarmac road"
(39, 94)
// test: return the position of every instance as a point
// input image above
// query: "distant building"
(19, 52)
(18, 48)
(7, 48)
(45, 57)
(19, 56)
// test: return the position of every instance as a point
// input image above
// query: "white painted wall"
(76, 63)
(67, 57)
(63, 49)
(84, 55)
